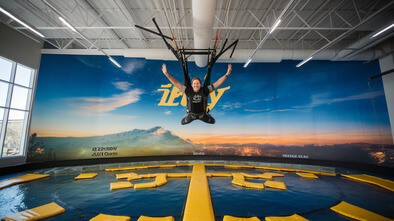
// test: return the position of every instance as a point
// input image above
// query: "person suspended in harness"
(196, 96)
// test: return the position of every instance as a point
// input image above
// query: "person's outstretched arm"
(222, 79)
(171, 78)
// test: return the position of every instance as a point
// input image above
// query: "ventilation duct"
(203, 17)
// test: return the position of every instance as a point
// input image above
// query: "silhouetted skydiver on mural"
(196, 96)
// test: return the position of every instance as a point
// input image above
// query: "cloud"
(270, 98)
(321, 99)
(229, 106)
(168, 112)
(131, 66)
(317, 100)
(261, 110)
(103, 105)
(122, 85)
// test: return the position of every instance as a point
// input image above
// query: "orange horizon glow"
(324, 139)
(287, 139)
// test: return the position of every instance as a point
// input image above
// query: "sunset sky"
(321, 103)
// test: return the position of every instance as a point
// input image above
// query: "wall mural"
(85, 107)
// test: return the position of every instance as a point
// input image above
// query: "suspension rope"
(172, 34)
(219, 31)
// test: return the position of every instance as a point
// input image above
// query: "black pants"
(207, 118)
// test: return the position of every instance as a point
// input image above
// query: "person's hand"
(164, 68)
(229, 69)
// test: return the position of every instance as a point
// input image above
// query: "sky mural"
(321, 104)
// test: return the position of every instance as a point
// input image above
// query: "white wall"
(21, 49)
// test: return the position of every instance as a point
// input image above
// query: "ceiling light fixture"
(303, 62)
(113, 61)
(247, 63)
(385, 29)
(22, 23)
(67, 24)
(79, 33)
(272, 29)
(275, 25)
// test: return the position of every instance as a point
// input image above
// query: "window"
(16, 86)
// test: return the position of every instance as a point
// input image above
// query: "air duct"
(203, 17)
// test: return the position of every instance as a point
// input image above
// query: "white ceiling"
(327, 29)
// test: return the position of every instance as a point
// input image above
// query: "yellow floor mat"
(274, 174)
(307, 175)
(238, 166)
(198, 203)
(120, 185)
(257, 176)
(127, 168)
(387, 184)
(161, 179)
(275, 168)
(21, 179)
(219, 175)
(294, 217)
(140, 186)
(357, 213)
(317, 172)
(37, 213)
(148, 218)
(239, 180)
(275, 184)
(86, 176)
(179, 175)
(125, 175)
(167, 166)
(104, 217)
(233, 218)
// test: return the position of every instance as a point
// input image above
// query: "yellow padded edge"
(179, 175)
(259, 186)
(21, 179)
(125, 175)
(127, 168)
(41, 212)
(275, 184)
(275, 168)
(139, 186)
(161, 179)
(387, 184)
(294, 217)
(86, 176)
(120, 185)
(145, 167)
(148, 218)
(148, 176)
(307, 175)
(226, 175)
(238, 166)
(104, 217)
(214, 165)
(239, 180)
(317, 172)
(168, 166)
(233, 218)
(274, 174)
(357, 213)
(267, 176)
(198, 203)
(134, 177)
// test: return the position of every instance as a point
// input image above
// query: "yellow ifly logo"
(171, 96)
